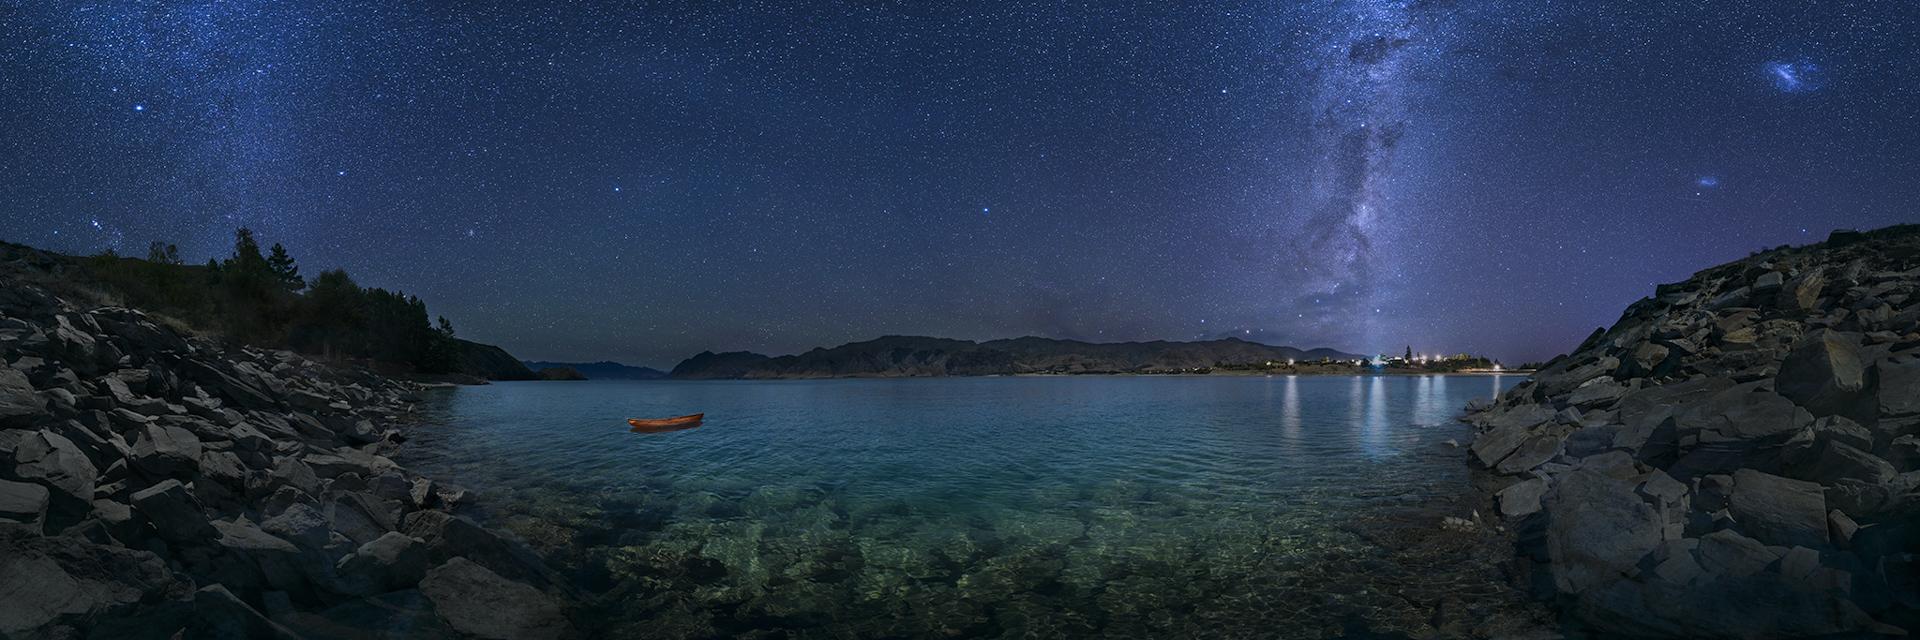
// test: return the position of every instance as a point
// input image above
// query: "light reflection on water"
(1113, 506)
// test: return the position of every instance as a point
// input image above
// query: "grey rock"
(53, 460)
(219, 615)
(1613, 464)
(1904, 453)
(1646, 360)
(173, 511)
(1779, 510)
(481, 603)
(44, 581)
(1841, 528)
(18, 401)
(256, 558)
(1834, 460)
(304, 525)
(360, 518)
(1726, 552)
(166, 451)
(1532, 453)
(1597, 395)
(1800, 294)
(1598, 530)
(23, 507)
(1823, 373)
(1506, 432)
(1522, 498)
(1743, 412)
(390, 562)
(1899, 388)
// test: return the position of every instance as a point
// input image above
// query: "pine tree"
(246, 260)
(1409, 353)
(284, 269)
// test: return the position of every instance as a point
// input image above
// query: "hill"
(918, 356)
(603, 370)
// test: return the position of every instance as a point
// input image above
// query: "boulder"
(1728, 553)
(1779, 510)
(173, 511)
(1800, 293)
(166, 451)
(390, 562)
(18, 402)
(48, 581)
(304, 525)
(23, 507)
(1742, 412)
(1899, 388)
(480, 603)
(219, 615)
(1646, 360)
(1598, 530)
(51, 459)
(359, 517)
(255, 558)
(1597, 395)
(1506, 431)
(1834, 459)
(1532, 453)
(1522, 498)
(1823, 373)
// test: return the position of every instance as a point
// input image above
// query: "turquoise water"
(983, 507)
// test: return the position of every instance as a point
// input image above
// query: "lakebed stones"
(1751, 467)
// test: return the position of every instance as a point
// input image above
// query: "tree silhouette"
(284, 269)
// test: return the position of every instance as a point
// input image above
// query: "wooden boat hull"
(663, 425)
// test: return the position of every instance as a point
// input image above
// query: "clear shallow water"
(1035, 506)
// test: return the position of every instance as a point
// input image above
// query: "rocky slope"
(916, 356)
(1736, 457)
(154, 485)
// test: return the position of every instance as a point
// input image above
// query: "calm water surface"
(995, 507)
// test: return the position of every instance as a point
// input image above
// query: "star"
(139, 107)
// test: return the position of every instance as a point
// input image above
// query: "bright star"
(139, 107)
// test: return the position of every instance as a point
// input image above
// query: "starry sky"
(641, 181)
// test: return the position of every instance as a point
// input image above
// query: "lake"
(1145, 506)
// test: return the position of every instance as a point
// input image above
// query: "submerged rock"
(480, 603)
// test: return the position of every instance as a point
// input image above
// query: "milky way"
(597, 179)
(1358, 115)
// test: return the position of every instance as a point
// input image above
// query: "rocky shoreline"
(154, 485)
(1735, 458)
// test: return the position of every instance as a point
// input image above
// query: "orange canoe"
(665, 424)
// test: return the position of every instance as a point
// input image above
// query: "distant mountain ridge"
(920, 356)
(602, 370)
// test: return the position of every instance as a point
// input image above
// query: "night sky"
(643, 181)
